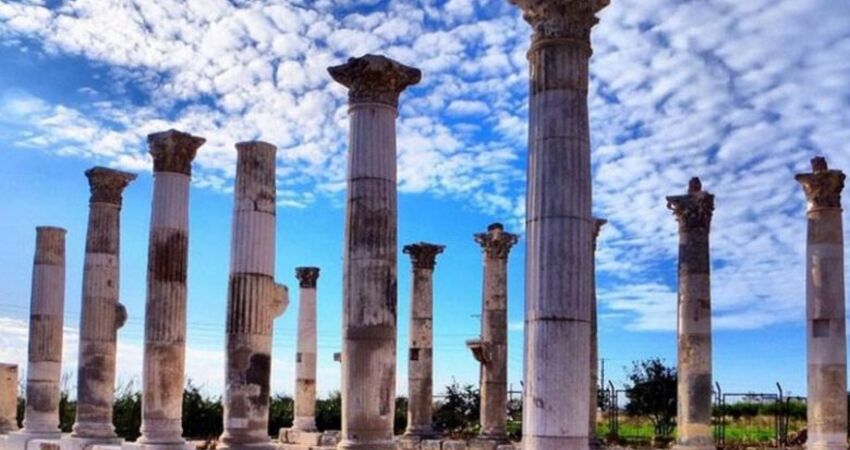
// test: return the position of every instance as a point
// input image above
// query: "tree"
(458, 413)
(652, 393)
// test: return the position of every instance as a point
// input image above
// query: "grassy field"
(753, 430)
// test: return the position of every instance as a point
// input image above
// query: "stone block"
(28, 441)
(454, 445)
(138, 446)
(69, 442)
(330, 438)
(431, 444)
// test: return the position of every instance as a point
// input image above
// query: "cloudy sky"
(742, 94)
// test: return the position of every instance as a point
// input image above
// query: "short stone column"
(420, 361)
(102, 315)
(693, 212)
(253, 299)
(559, 225)
(369, 267)
(491, 350)
(593, 440)
(826, 348)
(165, 308)
(47, 308)
(8, 398)
(305, 358)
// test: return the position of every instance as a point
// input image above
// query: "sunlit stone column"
(369, 273)
(825, 311)
(559, 225)
(253, 299)
(693, 212)
(8, 398)
(102, 315)
(420, 362)
(305, 358)
(594, 441)
(165, 309)
(47, 307)
(491, 350)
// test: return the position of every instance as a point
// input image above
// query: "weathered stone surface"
(102, 315)
(165, 306)
(694, 212)
(370, 245)
(593, 440)
(454, 445)
(253, 300)
(825, 309)
(420, 381)
(559, 225)
(491, 350)
(306, 356)
(8, 398)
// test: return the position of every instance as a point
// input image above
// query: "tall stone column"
(102, 315)
(693, 212)
(594, 441)
(305, 358)
(47, 307)
(165, 308)
(369, 271)
(253, 299)
(559, 225)
(826, 348)
(491, 350)
(8, 398)
(420, 362)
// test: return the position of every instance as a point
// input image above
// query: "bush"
(458, 412)
(281, 413)
(127, 411)
(329, 412)
(202, 416)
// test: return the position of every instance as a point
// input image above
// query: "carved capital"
(823, 186)
(481, 351)
(307, 276)
(423, 255)
(107, 185)
(173, 151)
(557, 19)
(374, 79)
(280, 301)
(693, 210)
(496, 242)
(120, 316)
(597, 227)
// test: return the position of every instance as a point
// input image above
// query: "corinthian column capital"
(374, 79)
(823, 186)
(423, 255)
(496, 242)
(597, 227)
(561, 18)
(307, 276)
(173, 151)
(107, 185)
(693, 210)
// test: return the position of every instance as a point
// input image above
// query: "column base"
(247, 446)
(85, 443)
(379, 445)
(156, 446)
(695, 447)
(825, 446)
(555, 443)
(25, 440)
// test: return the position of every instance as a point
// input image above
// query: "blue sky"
(739, 93)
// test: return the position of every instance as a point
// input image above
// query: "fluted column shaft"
(826, 348)
(253, 299)
(305, 358)
(559, 226)
(693, 212)
(165, 308)
(594, 346)
(8, 398)
(369, 266)
(44, 359)
(102, 315)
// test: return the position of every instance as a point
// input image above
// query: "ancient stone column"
(47, 307)
(102, 315)
(165, 308)
(826, 348)
(559, 225)
(594, 441)
(369, 268)
(305, 358)
(8, 398)
(491, 350)
(693, 212)
(420, 362)
(253, 299)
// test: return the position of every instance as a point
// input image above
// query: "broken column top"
(256, 146)
(50, 245)
(307, 276)
(374, 79)
(423, 255)
(107, 185)
(561, 18)
(694, 209)
(823, 186)
(496, 242)
(173, 151)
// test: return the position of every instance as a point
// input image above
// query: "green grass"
(753, 430)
